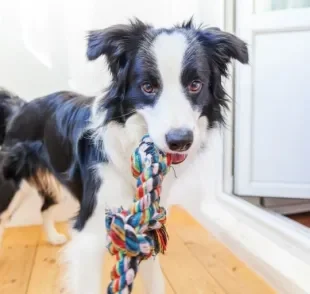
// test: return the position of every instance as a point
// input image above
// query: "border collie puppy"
(165, 82)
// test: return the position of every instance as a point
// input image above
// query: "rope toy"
(138, 233)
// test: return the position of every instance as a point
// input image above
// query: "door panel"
(272, 140)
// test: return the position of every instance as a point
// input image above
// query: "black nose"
(179, 139)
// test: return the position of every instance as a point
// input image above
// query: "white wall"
(43, 50)
(43, 41)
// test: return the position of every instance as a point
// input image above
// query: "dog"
(13, 193)
(166, 82)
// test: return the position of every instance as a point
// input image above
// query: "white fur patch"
(53, 236)
(120, 141)
(173, 109)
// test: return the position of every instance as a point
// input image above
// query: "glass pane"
(271, 5)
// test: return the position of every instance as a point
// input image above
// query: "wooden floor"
(302, 218)
(195, 263)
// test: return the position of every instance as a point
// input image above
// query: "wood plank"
(231, 273)
(178, 216)
(16, 259)
(45, 277)
(302, 218)
(22, 236)
(47, 273)
(184, 272)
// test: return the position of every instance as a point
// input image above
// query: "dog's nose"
(179, 139)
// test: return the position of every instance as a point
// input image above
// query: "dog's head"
(171, 77)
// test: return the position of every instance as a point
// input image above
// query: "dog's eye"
(195, 86)
(148, 88)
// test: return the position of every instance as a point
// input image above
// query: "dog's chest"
(116, 189)
(118, 184)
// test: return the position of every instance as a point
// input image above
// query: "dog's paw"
(58, 239)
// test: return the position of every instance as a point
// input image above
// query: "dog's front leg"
(84, 256)
(152, 276)
(85, 253)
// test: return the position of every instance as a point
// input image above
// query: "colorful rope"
(139, 233)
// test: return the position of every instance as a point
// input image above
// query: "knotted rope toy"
(138, 233)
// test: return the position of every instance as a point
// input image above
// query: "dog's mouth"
(177, 158)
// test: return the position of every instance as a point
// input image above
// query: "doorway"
(271, 138)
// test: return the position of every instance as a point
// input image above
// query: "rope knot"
(123, 237)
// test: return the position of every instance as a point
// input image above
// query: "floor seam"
(34, 260)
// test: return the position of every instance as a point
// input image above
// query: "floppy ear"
(107, 41)
(115, 42)
(224, 46)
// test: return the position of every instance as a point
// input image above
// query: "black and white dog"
(165, 82)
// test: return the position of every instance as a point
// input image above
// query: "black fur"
(48, 200)
(8, 188)
(9, 105)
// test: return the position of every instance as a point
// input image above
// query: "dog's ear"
(115, 42)
(107, 41)
(223, 46)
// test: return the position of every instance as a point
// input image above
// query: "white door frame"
(274, 246)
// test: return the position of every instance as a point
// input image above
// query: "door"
(272, 120)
